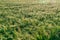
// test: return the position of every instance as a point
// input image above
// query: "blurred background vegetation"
(29, 20)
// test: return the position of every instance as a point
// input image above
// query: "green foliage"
(29, 22)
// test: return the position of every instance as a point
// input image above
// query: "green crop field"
(29, 21)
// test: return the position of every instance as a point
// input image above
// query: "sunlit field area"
(20, 21)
